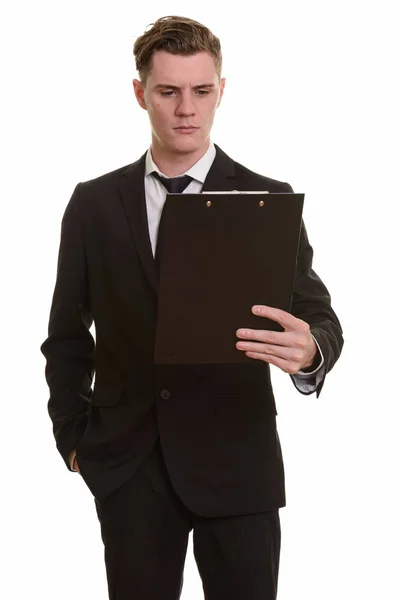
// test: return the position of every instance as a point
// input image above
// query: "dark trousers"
(145, 529)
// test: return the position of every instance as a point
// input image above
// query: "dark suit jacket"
(217, 423)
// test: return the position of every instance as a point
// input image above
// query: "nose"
(185, 106)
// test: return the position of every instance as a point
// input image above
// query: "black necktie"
(174, 185)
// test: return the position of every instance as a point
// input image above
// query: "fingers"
(288, 321)
(289, 349)
(286, 353)
(285, 365)
(276, 338)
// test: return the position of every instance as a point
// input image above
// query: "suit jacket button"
(165, 394)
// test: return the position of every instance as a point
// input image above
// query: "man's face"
(181, 96)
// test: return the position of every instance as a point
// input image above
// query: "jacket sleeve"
(311, 302)
(69, 348)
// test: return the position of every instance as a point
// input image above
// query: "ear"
(221, 90)
(139, 93)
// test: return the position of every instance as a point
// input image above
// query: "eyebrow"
(160, 86)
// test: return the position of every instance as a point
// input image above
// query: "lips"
(186, 129)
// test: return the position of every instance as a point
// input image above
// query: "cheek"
(157, 113)
(154, 114)
(211, 108)
(210, 114)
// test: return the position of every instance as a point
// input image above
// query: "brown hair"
(177, 35)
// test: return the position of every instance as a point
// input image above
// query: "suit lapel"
(133, 197)
(221, 177)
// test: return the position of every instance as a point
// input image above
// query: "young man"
(168, 449)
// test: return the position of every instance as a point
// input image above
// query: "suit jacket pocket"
(107, 394)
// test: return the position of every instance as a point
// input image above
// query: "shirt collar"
(198, 171)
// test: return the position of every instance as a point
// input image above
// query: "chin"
(187, 145)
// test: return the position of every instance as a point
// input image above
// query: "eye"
(203, 92)
(168, 93)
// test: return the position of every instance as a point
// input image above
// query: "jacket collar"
(221, 177)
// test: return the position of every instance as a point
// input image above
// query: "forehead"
(178, 70)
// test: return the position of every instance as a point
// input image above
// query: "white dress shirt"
(156, 195)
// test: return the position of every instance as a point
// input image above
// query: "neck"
(174, 164)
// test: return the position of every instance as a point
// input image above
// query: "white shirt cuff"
(308, 382)
(310, 374)
(71, 461)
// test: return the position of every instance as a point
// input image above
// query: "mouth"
(186, 129)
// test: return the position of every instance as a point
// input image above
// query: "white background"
(312, 99)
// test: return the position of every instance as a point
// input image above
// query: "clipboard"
(221, 254)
